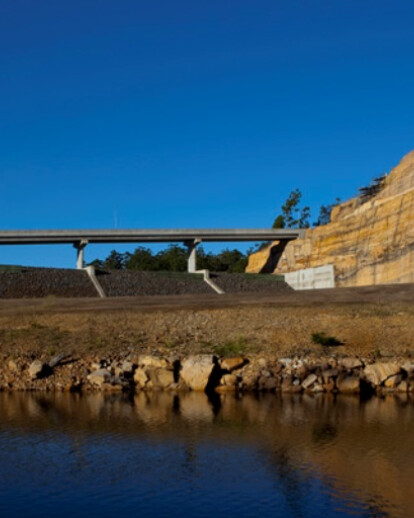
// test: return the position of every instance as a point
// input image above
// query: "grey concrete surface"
(32, 237)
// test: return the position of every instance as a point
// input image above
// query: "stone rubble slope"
(43, 282)
(209, 373)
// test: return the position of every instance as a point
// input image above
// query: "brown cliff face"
(368, 242)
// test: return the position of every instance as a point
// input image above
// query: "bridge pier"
(192, 255)
(80, 256)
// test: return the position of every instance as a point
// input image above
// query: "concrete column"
(80, 247)
(192, 255)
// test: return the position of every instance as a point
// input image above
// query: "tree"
(279, 222)
(231, 261)
(115, 261)
(141, 259)
(97, 263)
(325, 213)
(293, 215)
(376, 185)
(173, 259)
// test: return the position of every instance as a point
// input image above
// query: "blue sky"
(194, 113)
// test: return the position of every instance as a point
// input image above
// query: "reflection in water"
(163, 454)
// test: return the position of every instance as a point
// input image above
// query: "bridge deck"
(190, 237)
(31, 237)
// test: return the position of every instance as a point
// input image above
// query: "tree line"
(173, 259)
(293, 215)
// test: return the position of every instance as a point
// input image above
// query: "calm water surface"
(165, 455)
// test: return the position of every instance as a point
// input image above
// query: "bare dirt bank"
(372, 320)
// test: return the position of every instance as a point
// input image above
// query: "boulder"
(127, 368)
(12, 365)
(317, 387)
(99, 377)
(140, 377)
(301, 372)
(329, 386)
(309, 380)
(38, 369)
(393, 381)
(249, 375)
(328, 374)
(231, 364)
(377, 373)
(267, 383)
(161, 378)
(152, 361)
(289, 385)
(350, 363)
(286, 362)
(196, 371)
(348, 384)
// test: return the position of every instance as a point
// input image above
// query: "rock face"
(368, 243)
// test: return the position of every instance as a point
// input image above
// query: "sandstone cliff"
(369, 242)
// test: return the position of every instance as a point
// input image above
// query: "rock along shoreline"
(211, 374)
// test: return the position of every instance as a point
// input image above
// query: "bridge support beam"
(80, 256)
(192, 255)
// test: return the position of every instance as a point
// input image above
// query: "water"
(164, 455)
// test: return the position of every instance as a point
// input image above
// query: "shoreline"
(130, 373)
(271, 338)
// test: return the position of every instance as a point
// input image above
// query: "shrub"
(231, 347)
(325, 340)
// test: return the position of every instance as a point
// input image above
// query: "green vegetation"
(376, 186)
(173, 259)
(325, 213)
(325, 340)
(229, 348)
(279, 222)
(10, 268)
(293, 216)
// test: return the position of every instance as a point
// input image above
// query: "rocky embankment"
(43, 282)
(209, 373)
(369, 240)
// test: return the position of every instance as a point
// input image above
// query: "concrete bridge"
(189, 237)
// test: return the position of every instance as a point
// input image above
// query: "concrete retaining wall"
(312, 278)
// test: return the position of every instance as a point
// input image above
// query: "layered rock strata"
(368, 241)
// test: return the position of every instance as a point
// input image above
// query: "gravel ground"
(43, 282)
